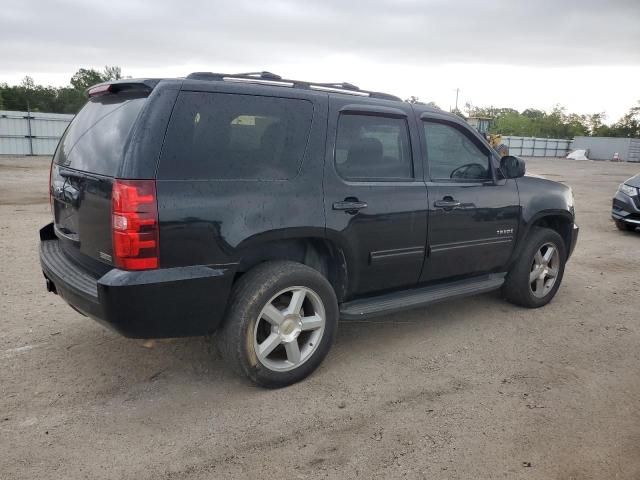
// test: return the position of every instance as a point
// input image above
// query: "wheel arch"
(314, 251)
(561, 221)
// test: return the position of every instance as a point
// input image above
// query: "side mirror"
(512, 167)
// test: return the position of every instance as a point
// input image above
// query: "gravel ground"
(476, 388)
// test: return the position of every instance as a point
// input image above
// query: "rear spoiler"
(124, 85)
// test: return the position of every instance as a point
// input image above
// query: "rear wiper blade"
(80, 175)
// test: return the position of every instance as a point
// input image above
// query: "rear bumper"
(626, 209)
(171, 302)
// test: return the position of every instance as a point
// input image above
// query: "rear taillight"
(134, 222)
(98, 90)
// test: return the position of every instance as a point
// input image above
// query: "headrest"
(365, 151)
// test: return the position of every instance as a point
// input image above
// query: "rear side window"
(235, 137)
(97, 136)
(371, 147)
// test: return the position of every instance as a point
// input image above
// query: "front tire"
(281, 322)
(536, 275)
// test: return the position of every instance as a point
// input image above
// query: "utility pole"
(29, 129)
(457, 92)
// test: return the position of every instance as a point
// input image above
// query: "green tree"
(533, 113)
(416, 100)
(413, 99)
(595, 123)
(492, 112)
(28, 83)
(85, 77)
(513, 124)
(111, 73)
(69, 100)
(458, 112)
(629, 124)
(536, 123)
(502, 111)
(42, 98)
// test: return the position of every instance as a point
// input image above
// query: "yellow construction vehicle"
(495, 140)
(482, 124)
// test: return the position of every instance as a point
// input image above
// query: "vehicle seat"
(272, 142)
(362, 155)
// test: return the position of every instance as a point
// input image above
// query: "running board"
(419, 297)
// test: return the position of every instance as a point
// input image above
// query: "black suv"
(264, 209)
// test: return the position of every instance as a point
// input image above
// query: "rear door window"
(97, 136)
(370, 147)
(235, 137)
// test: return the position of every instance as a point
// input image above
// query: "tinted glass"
(230, 136)
(452, 155)
(371, 147)
(97, 136)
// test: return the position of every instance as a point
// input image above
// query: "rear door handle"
(350, 205)
(446, 204)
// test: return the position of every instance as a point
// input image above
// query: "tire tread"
(516, 286)
(248, 292)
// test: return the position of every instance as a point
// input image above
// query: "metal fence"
(537, 147)
(606, 148)
(35, 133)
(31, 133)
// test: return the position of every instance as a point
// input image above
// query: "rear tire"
(281, 322)
(625, 227)
(536, 275)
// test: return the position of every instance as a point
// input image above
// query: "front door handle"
(350, 205)
(447, 203)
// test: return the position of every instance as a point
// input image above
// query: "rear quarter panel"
(211, 222)
(142, 153)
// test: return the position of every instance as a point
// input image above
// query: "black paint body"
(212, 230)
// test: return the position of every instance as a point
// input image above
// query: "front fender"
(545, 202)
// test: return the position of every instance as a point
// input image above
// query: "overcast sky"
(583, 54)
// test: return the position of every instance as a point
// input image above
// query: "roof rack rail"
(263, 74)
(269, 78)
(346, 85)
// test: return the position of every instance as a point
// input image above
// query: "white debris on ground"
(578, 155)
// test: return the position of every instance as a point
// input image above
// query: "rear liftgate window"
(97, 136)
(235, 137)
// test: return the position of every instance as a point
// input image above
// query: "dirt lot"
(471, 389)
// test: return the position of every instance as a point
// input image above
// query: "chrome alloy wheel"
(544, 270)
(289, 329)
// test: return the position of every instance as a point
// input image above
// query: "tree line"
(40, 98)
(558, 123)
